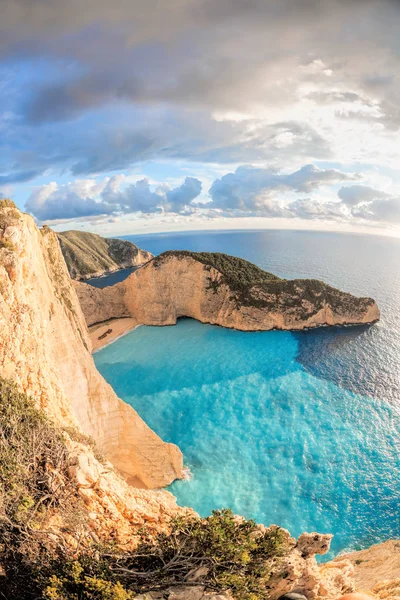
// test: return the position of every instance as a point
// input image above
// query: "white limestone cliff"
(178, 285)
(45, 348)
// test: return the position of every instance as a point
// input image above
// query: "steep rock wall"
(90, 255)
(44, 346)
(176, 286)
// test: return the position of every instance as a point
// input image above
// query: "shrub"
(220, 552)
(34, 482)
(7, 244)
(87, 440)
(7, 203)
(9, 213)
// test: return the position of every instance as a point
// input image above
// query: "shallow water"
(297, 429)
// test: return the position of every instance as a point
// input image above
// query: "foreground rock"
(44, 347)
(377, 568)
(89, 255)
(222, 290)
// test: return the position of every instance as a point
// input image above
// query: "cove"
(261, 434)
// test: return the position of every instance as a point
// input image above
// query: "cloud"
(18, 177)
(182, 196)
(148, 82)
(312, 209)
(356, 194)
(87, 198)
(249, 191)
(369, 204)
(52, 202)
(250, 188)
(387, 211)
(186, 53)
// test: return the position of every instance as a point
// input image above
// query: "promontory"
(222, 290)
(90, 255)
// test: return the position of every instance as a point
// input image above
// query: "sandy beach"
(111, 330)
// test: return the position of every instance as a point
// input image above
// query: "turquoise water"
(284, 428)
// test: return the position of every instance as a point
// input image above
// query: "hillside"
(223, 290)
(90, 255)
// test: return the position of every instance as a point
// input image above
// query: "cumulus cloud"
(87, 198)
(51, 202)
(312, 209)
(369, 204)
(356, 194)
(250, 188)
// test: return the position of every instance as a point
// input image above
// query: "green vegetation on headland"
(89, 254)
(220, 552)
(237, 272)
(253, 287)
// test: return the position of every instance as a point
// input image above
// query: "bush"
(9, 213)
(34, 483)
(7, 203)
(7, 244)
(220, 552)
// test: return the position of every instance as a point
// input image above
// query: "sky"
(129, 116)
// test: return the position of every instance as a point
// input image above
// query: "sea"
(297, 429)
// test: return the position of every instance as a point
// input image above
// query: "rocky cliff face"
(224, 291)
(89, 255)
(45, 348)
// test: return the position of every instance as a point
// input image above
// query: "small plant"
(7, 244)
(87, 440)
(34, 482)
(9, 213)
(221, 552)
(7, 203)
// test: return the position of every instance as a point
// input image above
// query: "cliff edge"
(90, 255)
(222, 290)
(45, 348)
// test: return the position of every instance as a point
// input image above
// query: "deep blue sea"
(301, 430)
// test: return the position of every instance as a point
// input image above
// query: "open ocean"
(297, 429)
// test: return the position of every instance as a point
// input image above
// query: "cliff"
(89, 255)
(377, 569)
(45, 348)
(225, 291)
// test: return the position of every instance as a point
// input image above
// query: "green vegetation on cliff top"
(251, 286)
(88, 254)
